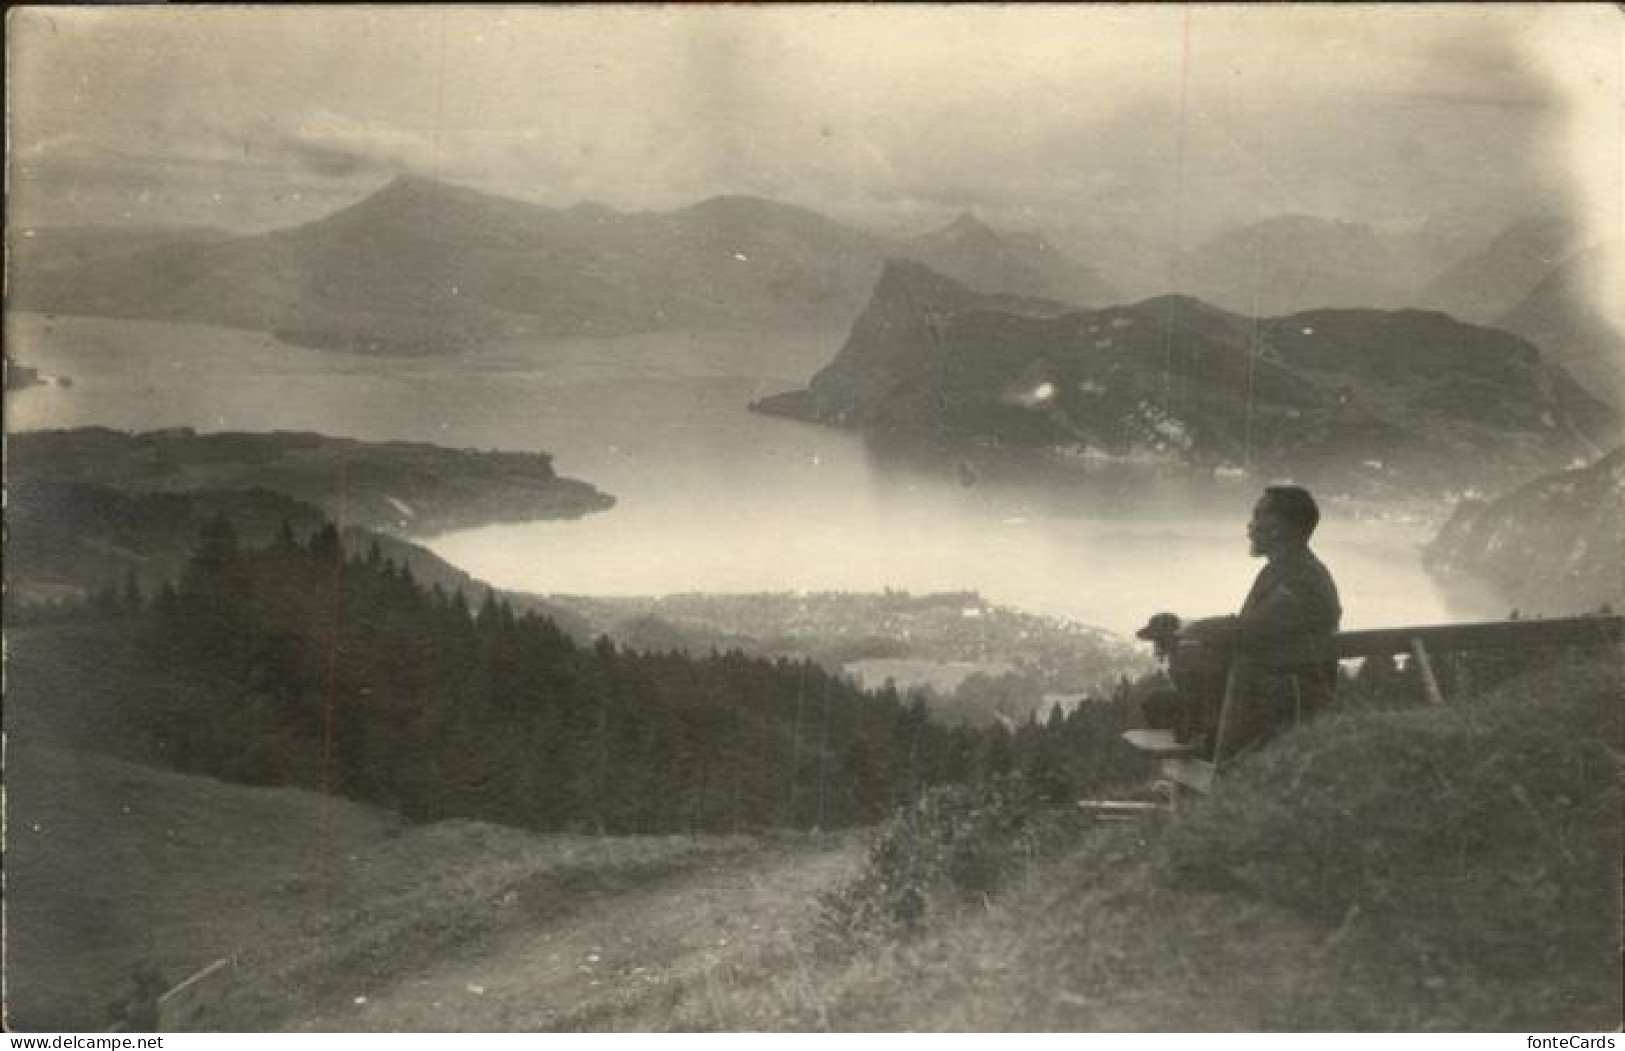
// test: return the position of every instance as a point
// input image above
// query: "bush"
(955, 845)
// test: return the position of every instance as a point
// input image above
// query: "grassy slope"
(1443, 869)
(1426, 869)
(113, 867)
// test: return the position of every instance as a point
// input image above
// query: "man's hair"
(1294, 506)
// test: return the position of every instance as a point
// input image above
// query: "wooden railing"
(1425, 642)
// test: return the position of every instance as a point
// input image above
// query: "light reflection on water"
(714, 498)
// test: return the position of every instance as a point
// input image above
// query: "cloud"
(1583, 54)
(1069, 117)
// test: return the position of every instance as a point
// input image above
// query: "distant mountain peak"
(966, 233)
(905, 276)
(418, 189)
(1022, 264)
(1178, 301)
(909, 281)
(968, 223)
(412, 191)
(745, 205)
(730, 202)
(1487, 284)
(1184, 309)
(413, 183)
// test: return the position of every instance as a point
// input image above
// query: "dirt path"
(690, 947)
(299, 907)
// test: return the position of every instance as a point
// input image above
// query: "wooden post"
(1221, 733)
(1429, 683)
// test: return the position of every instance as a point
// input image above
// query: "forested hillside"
(304, 664)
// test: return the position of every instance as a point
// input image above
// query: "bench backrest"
(1449, 638)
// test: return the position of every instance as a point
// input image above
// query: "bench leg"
(1224, 735)
(1429, 683)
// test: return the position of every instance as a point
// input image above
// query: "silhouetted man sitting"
(1248, 657)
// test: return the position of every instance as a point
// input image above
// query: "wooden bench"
(1421, 644)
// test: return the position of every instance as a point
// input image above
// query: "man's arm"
(1289, 608)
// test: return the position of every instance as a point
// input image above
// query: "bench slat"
(1162, 742)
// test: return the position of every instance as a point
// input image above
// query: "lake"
(714, 498)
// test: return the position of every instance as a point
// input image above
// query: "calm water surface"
(712, 497)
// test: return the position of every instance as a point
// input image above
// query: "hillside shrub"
(953, 847)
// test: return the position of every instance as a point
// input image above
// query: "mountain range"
(422, 266)
(1560, 315)
(1554, 545)
(1390, 398)
(975, 254)
(1536, 278)
(1295, 262)
(1484, 286)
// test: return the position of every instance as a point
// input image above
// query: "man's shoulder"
(1301, 573)
(1301, 560)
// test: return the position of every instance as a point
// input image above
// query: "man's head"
(1284, 517)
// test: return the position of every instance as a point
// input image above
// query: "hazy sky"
(1074, 118)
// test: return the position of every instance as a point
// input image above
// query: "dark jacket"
(1293, 601)
(1292, 598)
